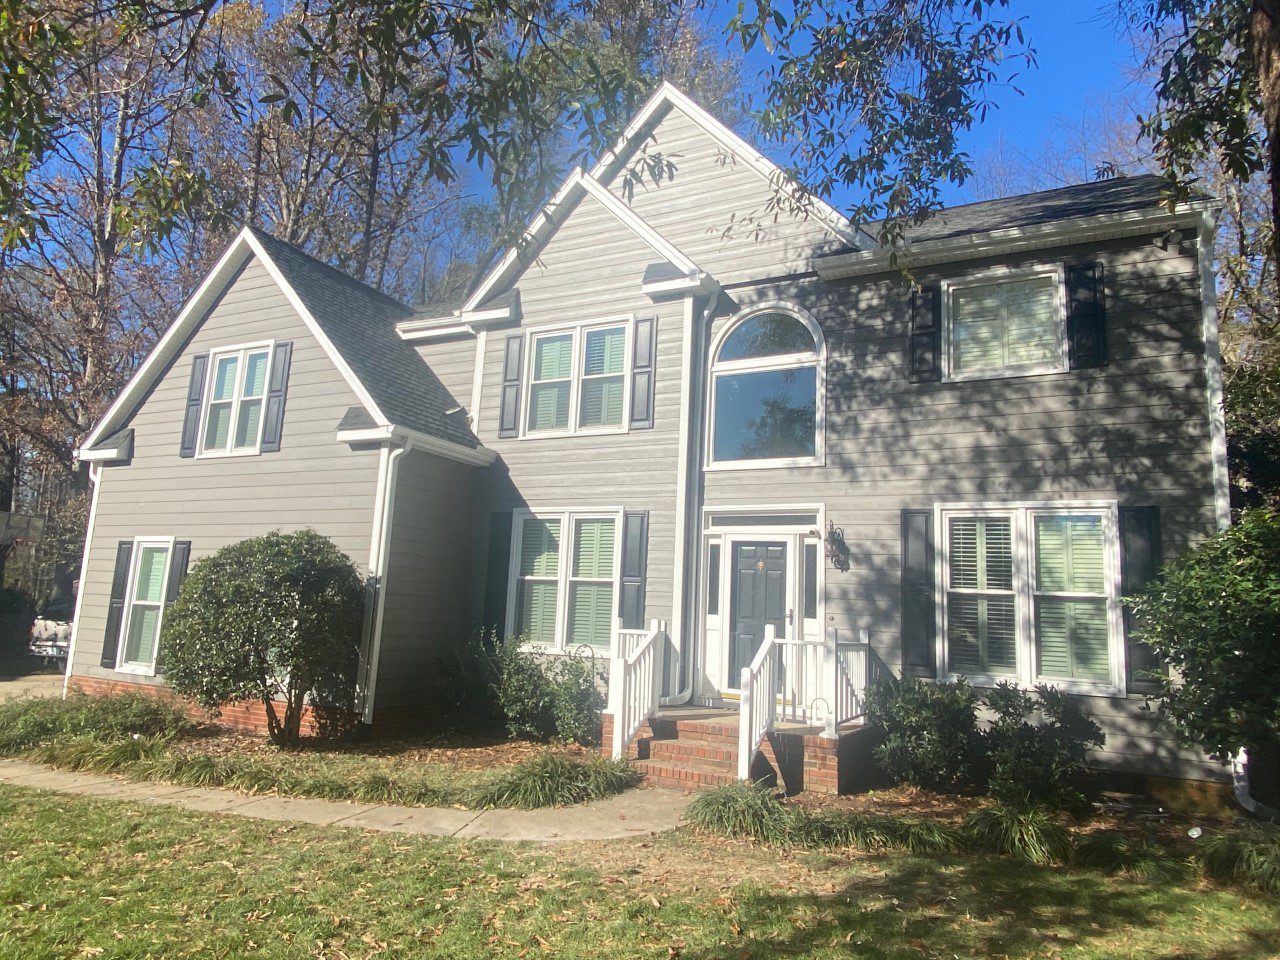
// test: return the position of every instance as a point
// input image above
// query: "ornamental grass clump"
(1029, 834)
(552, 780)
(38, 721)
(1249, 857)
(1140, 857)
(744, 811)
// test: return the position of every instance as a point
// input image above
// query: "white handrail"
(849, 673)
(634, 682)
(759, 691)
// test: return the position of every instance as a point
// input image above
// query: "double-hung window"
(564, 579)
(1005, 325)
(236, 392)
(144, 606)
(577, 379)
(1030, 593)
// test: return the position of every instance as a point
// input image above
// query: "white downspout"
(380, 545)
(95, 478)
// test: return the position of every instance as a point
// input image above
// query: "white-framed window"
(564, 578)
(235, 399)
(767, 391)
(1005, 323)
(144, 604)
(577, 378)
(1031, 593)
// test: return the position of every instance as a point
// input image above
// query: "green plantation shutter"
(536, 611)
(538, 585)
(591, 604)
(1001, 325)
(549, 393)
(1071, 632)
(981, 553)
(604, 352)
(981, 629)
(540, 548)
(593, 549)
(602, 385)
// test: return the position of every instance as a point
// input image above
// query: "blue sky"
(1082, 59)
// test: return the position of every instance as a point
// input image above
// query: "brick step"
(682, 751)
(685, 776)
(704, 730)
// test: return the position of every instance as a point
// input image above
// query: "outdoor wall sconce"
(837, 550)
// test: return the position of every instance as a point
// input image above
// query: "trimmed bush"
(1250, 857)
(276, 619)
(1035, 746)
(1027, 834)
(552, 780)
(37, 721)
(929, 730)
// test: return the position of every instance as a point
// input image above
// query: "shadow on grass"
(960, 907)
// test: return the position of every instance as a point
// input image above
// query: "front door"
(758, 598)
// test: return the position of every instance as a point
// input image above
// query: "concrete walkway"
(631, 814)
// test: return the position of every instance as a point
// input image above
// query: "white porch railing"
(759, 704)
(849, 672)
(635, 681)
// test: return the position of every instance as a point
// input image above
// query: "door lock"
(791, 617)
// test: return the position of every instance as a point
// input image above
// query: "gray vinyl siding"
(313, 481)
(591, 269)
(429, 577)
(716, 210)
(454, 362)
(1136, 430)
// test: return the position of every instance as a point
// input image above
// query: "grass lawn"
(84, 878)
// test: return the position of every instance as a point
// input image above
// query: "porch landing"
(697, 747)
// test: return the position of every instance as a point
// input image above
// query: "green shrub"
(553, 780)
(743, 811)
(1035, 746)
(929, 732)
(31, 722)
(1248, 857)
(1028, 834)
(872, 833)
(274, 618)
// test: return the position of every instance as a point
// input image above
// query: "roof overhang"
(1010, 240)
(413, 439)
(461, 322)
(117, 448)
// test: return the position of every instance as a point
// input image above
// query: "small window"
(148, 581)
(810, 581)
(1012, 326)
(236, 393)
(565, 583)
(765, 392)
(578, 380)
(713, 580)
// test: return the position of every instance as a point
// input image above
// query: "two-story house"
(732, 446)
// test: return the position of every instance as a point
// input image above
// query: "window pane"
(767, 335)
(140, 644)
(981, 553)
(1003, 325)
(713, 579)
(1071, 639)
(553, 357)
(151, 565)
(601, 402)
(604, 351)
(980, 634)
(247, 424)
(540, 548)
(593, 548)
(224, 378)
(976, 331)
(255, 374)
(1069, 554)
(549, 406)
(1031, 309)
(218, 426)
(590, 613)
(766, 415)
(810, 581)
(536, 611)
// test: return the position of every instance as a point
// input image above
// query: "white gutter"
(1011, 240)
(95, 478)
(1213, 368)
(473, 456)
(380, 546)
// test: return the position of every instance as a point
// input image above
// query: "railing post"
(617, 704)
(746, 749)
(864, 637)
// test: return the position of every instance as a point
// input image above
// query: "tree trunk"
(1265, 40)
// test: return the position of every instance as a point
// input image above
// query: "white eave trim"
(166, 348)
(536, 231)
(100, 456)
(434, 329)
(692, 283)
(1011, 240)
(474, 456)
(668, 95)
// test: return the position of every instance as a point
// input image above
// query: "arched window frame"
(789, 361)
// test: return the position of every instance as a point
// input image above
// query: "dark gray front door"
(758, 598)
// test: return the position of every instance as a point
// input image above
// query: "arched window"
(766, 378)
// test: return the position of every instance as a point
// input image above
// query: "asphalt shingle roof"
(1119, 195)
(361, 322)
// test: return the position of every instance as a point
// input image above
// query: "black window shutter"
(1141, 553)
(1086, 316)
(926, 334)
(919, 624)
(115, 609)
(499, 563)
(195, 397)
(642, 373)
(178, 564)
(509, 414)
(635, 560)
(273, 419)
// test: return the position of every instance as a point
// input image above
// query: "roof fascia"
(1009, 240)
(391, 433)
